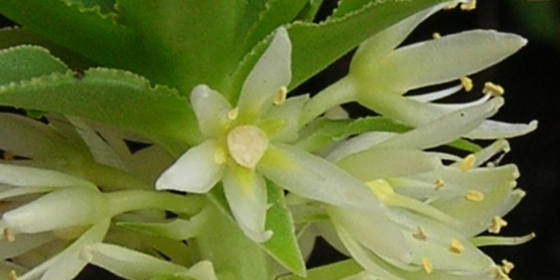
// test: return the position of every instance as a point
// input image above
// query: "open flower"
(245, 144)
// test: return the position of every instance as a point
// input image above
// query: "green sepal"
(337, 36)
(323, 132)
(113, 97)
(335, 271)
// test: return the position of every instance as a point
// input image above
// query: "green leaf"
(465, 145)
(337, 36)
(324, 132)
(283, 246)
(26, 62)
(191, 41)
(310, 10)
(348, 6)
(335, 271)
(113, 97)
(11, 37)
(84, 30)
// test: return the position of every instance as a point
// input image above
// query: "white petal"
(61, 209)
(446, 128)
(357, 144)
(196, 171)
(68, 267)
(246, 195)
(443, 60)
(287, 115)
(364, 227)
(30, 177)
(432, 96)
(494, 130)
(211, 110)
(271, 72)
(384, 42)
(128, 263)
(314, 178)
(382, 163)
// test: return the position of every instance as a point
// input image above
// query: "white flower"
(245, 144)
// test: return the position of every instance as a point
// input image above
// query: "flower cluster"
(378, 189)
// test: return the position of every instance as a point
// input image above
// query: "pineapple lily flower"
(245, 144)
(380, 75)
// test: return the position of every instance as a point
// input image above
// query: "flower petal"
(30, 177)
(314, 178)
(494, 130)
(211, 110)
(246, 195)
(195, 171)
(271, 72)
(438, 61)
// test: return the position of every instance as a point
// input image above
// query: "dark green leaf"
(26, 62)
(335, 271)
(113, 97)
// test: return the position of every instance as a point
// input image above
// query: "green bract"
(167, 145)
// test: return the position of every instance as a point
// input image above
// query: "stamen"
(232, 115)
(493, 89)
(12, 275)
(451, 6)
(469, 5)
(467, 163)
(436, 36)
(280, 96)
(427, 265)
(497, 224)
(420, 234)
(467, 84)
(499, 274)
(439, 184)
(220, 156)
(507, 266)
(8, 235)
(474, 196)
(456, 246)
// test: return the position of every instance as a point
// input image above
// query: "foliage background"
(532, 82)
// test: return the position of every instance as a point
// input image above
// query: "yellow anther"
(467, 83)
(12, 275)
(439, 184)
(451, 6)
(507, 266)
(467, 163)
(232, 115)
(436, 36)
(497, 224)
(220, 156)
(427, 265)
(474, 196)
(493, 89)
(420, 234)
(8, 156)
(280, 96)
(500, 274)
(456, 247)
(8, 235)
(469, 5)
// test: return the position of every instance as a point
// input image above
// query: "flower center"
(247, 145)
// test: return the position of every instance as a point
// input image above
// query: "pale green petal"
(314, 178)
(246, 195)
(127, 263)
(30, 177)
(384, 42)
(202, 270)
(432, 96)
(286, 116)
(61, 209)
(211, 110)
(382, 163)
(271, 72)
(195, 171)
(66, 268)
(22, 244)
(357, 144)
(442, 60)
(365, 227)
(178, 229)
(494, 130)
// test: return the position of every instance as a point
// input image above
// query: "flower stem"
(343, 91)
(125, 201)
